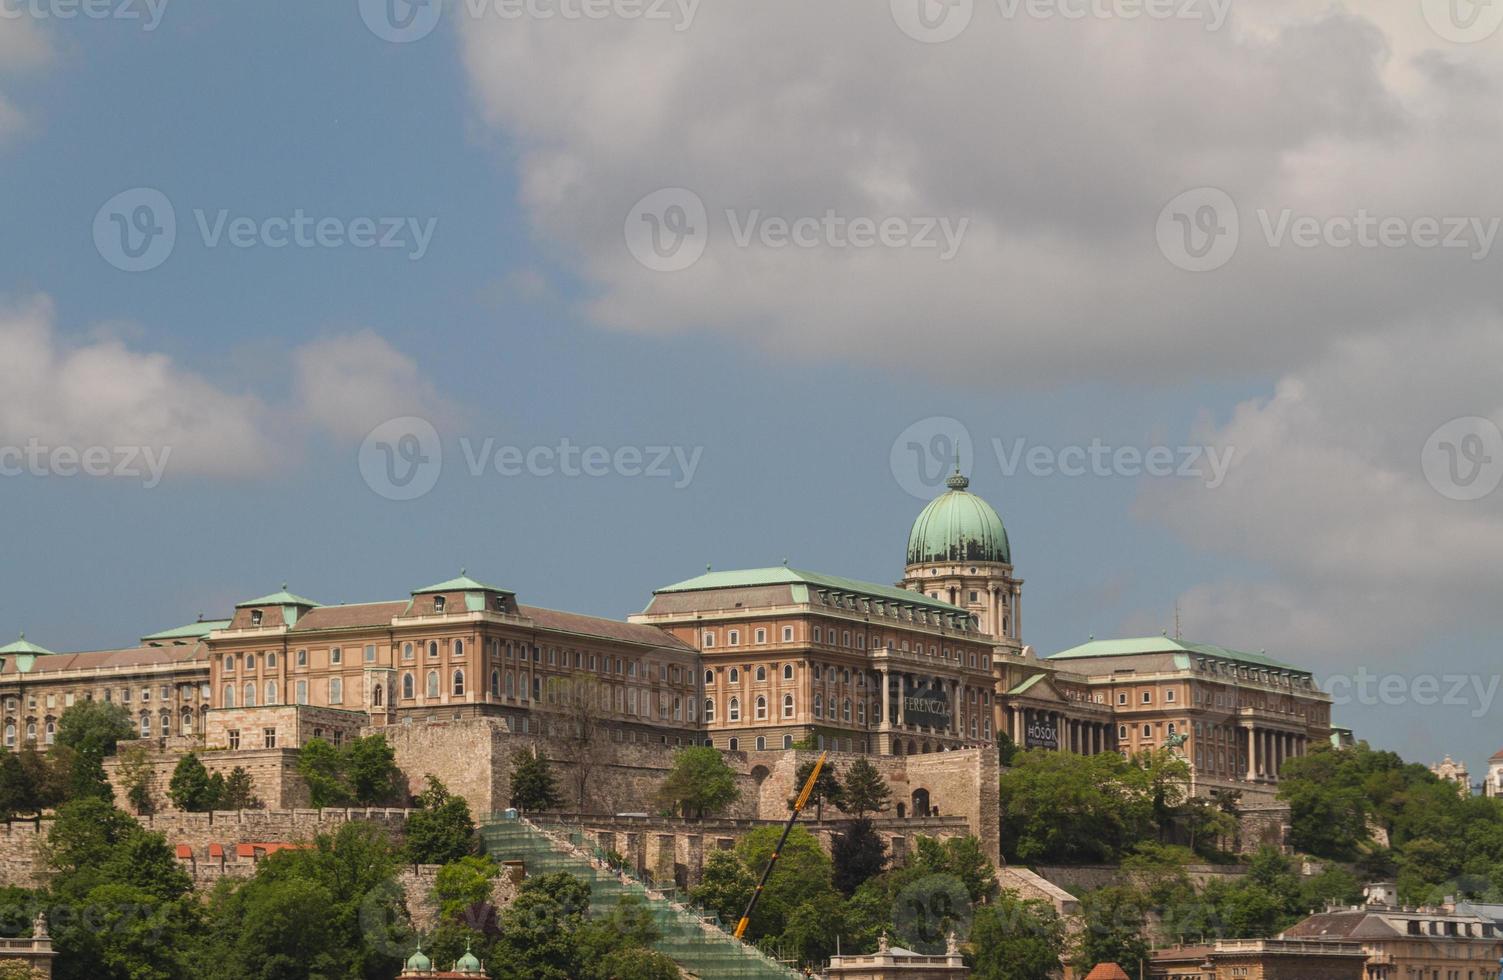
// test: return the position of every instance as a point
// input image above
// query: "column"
(1017, 616)
(902, 699)
(885, 694)
(956, 701)
(1252, 752)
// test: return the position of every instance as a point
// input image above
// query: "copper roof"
(111, 659)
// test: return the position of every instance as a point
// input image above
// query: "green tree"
(699, 784)
(858, 854)
(1075, 809)
(440, 830)
(803, 874)
(136, 773)
(865, 790)
(462, 891)
(1014, 939)
(189, 788)
(962, 858)
(532, 782)
(827, 788)
(725, 886)
(238, 791)
(94, 727)
(1115, 923)
(19, 792)
(322, 767)
(371, 770)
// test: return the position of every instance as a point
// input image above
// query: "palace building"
(748, 660)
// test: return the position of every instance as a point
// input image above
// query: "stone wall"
(273, 774)
(1263, 825)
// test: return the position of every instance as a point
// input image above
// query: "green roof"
(192, 631)
(283, 598)
(1030, 682)
(958, 526)
(783, 575)
(1163, 644)
(23, 646)
(462, 584)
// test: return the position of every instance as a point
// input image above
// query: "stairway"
(695, 943)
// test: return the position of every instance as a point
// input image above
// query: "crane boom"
(798, 807)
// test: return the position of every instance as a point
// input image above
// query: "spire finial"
(709, 567)
(284, 586)
(461, 571)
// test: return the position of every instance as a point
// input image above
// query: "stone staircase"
(693, 938)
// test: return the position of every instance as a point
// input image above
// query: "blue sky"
(526, 322)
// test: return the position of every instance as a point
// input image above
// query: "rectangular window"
(787, 634)
(336, 656)
(370, 654)
(233, 737)
(336, 690)
(269, 737)
(1169, 695)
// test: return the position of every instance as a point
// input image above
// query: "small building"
(1454, 772)
(1493, 785)
(35, 953)
(1410, 942)
(420, 967)
(1261, 959)
(1107, 971)
(896, 963)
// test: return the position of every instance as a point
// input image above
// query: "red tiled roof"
(184, 852)
(216, 850)
(128, 657)
(1107, 971)
(611, 629)
(349, 617)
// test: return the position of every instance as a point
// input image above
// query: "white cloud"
(23, 47)
(1360, 555)
(103, 393)
(1059, 140)
(347, 385)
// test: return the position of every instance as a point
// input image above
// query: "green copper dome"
(958, 526)
(467, 963)
(418, 963)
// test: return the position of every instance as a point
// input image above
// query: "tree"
(858, 854)
(1115, 921)
(371, 769)
(865, 790)
(725, 886)
(19, 792)
(826, 787)
(532, 783)
(1074, 809)
(189, 789)
(699, 784)
(804, 873)
(440, 830)
(1015, 939)
(93, 727)
(136, 773)
(238, 792)
(572, 711)
(322, 768)
(962, 858)
(462, 891)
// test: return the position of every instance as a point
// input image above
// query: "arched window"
(788, 672)
(735, 677)
(31, 730)
(250, 661)
(787, 741)
(51, 730)
(229, 695)
(145, 725)
(845, 710)
(458, 683)
(510, 687)
(250, 694)
(732, 745)
(271, 692)
(433, 683)
(495, 683)
(761, 707)
(819, 706)
(761, 673)
(761, 742)
(10, 734)
(186, 728)
(432, 649)
(458, 648)
(735, 711)
(709, 709)
(164, 723)
(407, 686)
(787, 706)
(229, 663)
(709, 676)
(378, 694)
(407, 651)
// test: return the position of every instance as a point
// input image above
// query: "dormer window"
(438, 603)
(255, 618)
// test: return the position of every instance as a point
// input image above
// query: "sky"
(586, 296)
